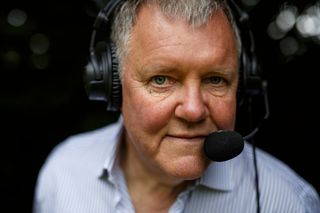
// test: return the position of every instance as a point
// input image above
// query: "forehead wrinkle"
(151, 40)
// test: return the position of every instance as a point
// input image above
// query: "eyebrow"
(158, 68)
(163, 69)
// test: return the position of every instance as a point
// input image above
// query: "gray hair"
(195, 12)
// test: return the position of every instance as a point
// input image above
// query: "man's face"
(179, 84)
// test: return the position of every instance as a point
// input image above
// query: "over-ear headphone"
(101, 76)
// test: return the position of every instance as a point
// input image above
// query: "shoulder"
(74, 163)
(84, 144)
(280, 184)
(81, 153)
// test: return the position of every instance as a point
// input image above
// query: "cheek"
(223, 113)
(143, 111)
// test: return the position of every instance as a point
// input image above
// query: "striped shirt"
(82, 175)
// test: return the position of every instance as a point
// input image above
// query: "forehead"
(151, 23)
(154, 33)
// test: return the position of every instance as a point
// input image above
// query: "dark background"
(42, 99)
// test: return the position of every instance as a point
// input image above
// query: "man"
(179, 63)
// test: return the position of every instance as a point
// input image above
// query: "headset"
(101, 78)
(102, 81)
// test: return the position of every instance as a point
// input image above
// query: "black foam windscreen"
(223, 145)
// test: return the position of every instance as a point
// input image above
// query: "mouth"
(186, 138)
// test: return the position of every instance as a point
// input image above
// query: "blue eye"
(160, 80)
(215, 80)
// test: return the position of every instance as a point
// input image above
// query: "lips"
(186, 138)
(189, 136)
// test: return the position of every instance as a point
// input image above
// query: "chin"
(188, 168)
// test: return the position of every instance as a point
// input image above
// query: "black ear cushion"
(242, 79)
(112, 82)
(116, 89)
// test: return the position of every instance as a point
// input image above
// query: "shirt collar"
(222, 176)
(219, 176)
(111, 154)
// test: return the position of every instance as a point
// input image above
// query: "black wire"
(255, 162)
(250, 138)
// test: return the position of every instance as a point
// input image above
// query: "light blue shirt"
(82, 175)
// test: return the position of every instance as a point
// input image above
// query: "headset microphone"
(225, 145)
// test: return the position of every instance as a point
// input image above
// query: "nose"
(192, 106)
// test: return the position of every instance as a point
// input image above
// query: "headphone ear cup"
(94, 78)
(101, 78)
(252, 77)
